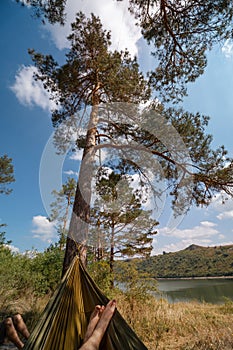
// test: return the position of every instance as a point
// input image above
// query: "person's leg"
(12, 334)
(94, 340)
(95, 316)
(20, 325)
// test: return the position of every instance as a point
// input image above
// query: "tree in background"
(6, 178)
(120, 226)
(61, 208)
(6, 174)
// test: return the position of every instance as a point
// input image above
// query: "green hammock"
(63, 323)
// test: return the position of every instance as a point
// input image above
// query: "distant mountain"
(194, 261)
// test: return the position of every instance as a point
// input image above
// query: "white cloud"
(174, 247)
(71, 173)
(208, 224)
(205, 229)
(225, 215)
(44, 229)
(77, 155)
(30, 92)
(202, 234)
(222, 204)
(114, 16)
(227, 48)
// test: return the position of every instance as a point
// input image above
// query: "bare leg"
(21, 326)
(94, 340)
(12, 334)
(95, 316)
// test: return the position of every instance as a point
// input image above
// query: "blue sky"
(26, 128)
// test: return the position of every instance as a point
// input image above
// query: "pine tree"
(124, 228)
(6, 174)
(91, 75)
(60, 208)
(181, 32)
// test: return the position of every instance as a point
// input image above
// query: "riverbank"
(181, 326)
(194, 278)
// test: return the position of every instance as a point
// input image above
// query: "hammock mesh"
(63, 323)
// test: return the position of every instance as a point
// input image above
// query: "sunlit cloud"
(227, 48)
(114, 16)
(223, 205)
(202, 234)
(43, 228)
(225, 215)
(77, 156)
(205, 229)
(71, 173)
(183, 244)
(30, 92)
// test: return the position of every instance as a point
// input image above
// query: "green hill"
(194, 261)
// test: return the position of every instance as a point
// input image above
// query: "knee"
(8, 322)
(17, 318)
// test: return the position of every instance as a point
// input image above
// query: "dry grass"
(183, 326)
(160, 325)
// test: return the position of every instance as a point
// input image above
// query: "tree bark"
(111, 260)
(78, 231)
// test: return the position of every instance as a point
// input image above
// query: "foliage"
(193, 171)
(30, 275)
(60, 212)
(46, 269)
(194, 261)
(182, 32)
(99, 271)
(91, 75)
(51, 10)
(137, 285)
(6, 174)
(92, 68)
(94, 75)
(27, 280)
(15, 277)
(122, 226)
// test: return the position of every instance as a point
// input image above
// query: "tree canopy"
(180, 33)
(120, 224)
(6, 174)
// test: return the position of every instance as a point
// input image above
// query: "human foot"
(105, 318)
(94, 319)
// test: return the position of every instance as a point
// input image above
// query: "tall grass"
(183, 326)
(164, 326)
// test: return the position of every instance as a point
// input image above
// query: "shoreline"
(194, 278)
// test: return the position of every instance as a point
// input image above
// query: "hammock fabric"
(64, 321)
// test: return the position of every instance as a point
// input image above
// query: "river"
(213, 290)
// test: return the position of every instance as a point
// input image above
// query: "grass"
(159, 324)
(183, 326)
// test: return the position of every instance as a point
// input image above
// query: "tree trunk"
(78, 231)
(111, 261)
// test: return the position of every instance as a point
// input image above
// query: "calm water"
(204, 290)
